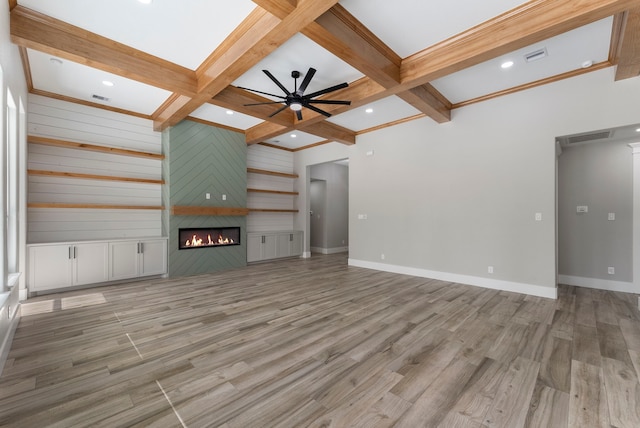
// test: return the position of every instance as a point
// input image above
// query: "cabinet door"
(254, 248)
(50, 267)
(91, 263)
(284, 244)
(123, 260)
(270, 247)
(153, 257)
(297, 243)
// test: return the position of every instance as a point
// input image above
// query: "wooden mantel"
(198, 210)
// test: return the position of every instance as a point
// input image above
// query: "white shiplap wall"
(262, 157)
(73, 122)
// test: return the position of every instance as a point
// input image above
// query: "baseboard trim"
(494, 284)
(598, 284)
(334, 250)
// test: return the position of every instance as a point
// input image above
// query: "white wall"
(449, 200)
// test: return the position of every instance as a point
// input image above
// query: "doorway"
(329, 207)
(595, 209)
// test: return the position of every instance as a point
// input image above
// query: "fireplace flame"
(195, 241)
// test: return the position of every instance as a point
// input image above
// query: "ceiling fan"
(297, 99)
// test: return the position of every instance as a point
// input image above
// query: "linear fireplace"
(203, 237)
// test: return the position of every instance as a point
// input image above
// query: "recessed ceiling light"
(507, 64)
(229, 112)
(55, 61)
(293, 135)
(145, 1)
(107, 83)
(369, 110)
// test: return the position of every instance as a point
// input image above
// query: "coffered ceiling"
(403, 59)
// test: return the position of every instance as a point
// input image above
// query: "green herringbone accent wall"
(202, 159)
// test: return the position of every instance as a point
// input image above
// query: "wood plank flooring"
(316, 343)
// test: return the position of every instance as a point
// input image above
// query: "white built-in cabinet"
(132, 259)
(69, 264)
(273, 245)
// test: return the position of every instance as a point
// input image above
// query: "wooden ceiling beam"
(627, 57)
(331, 131)
(428, 100)
(259, 35)
(530, 23)
(33, 30)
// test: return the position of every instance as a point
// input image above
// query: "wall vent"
(99, 97)
(600, 135)
(536, 55)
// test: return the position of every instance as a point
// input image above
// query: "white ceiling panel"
(381, 112)
(408, 26)
(298, 53)
(566, 52)
(181, 32)
(79, 81)
(294, 140)
(225, 117)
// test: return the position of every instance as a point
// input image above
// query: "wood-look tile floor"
(317, 343)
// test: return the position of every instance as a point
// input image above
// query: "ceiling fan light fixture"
(295, 106)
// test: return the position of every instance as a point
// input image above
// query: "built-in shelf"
(276, 173)
(197, 210)
(93, 206)
(277, 192)
(271, 210)
(92, 176)
(92, 147)
(274, 192)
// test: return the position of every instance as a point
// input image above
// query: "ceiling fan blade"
(299, 114)
(260, 92)
(316, 109)
(306, 80)
(260, 104)
(341, 102)
(278, 111)
(327, 90)
(272, 77)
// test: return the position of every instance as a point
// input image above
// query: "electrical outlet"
(490, 269)
(207, 195)
(611, 216)
(611, 270)
(382, 256)
(538, 216)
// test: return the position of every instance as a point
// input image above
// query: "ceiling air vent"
(535, 55)
(99, 97)
(600, 135)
